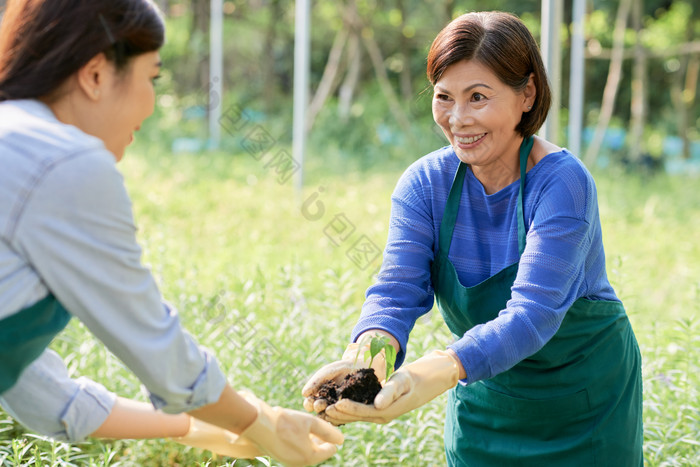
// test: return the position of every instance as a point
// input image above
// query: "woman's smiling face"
(131, 100)
(479, 113)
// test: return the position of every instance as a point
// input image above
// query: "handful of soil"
(360, 386)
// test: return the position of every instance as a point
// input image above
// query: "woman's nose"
(460, 115)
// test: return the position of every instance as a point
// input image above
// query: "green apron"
(25, 334)
(576, 402)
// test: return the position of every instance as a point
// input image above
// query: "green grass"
(261, 282)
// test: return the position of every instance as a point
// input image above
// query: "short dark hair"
(501, 42)
(43, 42)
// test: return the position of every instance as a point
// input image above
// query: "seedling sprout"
(378, 343)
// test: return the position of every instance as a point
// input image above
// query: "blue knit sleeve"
(403, 290)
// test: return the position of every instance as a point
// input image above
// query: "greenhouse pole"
(576, 81)
(216, 66)
(551, 51)
(302, 47)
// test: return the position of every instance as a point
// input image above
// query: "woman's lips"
(467, 142)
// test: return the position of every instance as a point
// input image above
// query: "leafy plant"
(377, 343)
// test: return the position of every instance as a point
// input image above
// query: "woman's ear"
(529, 93)
(93, 76)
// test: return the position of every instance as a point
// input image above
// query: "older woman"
(501, 228)
(76, 81)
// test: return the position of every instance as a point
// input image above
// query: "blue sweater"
(563, 260)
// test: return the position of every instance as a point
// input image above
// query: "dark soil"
(360, 386)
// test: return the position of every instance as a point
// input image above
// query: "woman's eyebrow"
(465, 90)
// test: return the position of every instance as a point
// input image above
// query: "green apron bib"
(25, 335)
(576, 402)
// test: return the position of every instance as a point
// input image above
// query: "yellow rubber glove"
(212, 438)
(336, 371)
(410, 387)
(294, 438)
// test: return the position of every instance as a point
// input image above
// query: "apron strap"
(525, 148)
(449, 217)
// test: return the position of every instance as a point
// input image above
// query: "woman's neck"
(505, 171)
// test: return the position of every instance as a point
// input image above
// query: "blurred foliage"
(259, 50)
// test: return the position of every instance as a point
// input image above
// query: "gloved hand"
(291, 437)
(410, 387)
(336, 371)
(205, 436)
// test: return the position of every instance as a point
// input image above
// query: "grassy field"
(272, 281)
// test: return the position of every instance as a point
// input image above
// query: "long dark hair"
(43, 42)
(501, 42)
